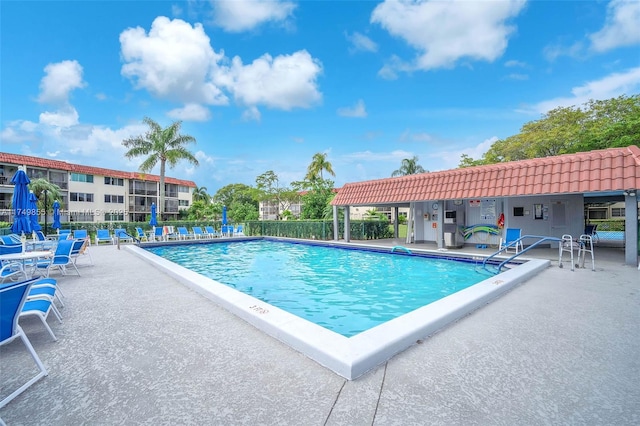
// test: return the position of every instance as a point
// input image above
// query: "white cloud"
(408, 136)
(59, 80)
(445, 32)
(284, 82)
(451, 159)
(517, 76)
(19, 131)
(251, 114)
(621, 28)
(611, 86)
(174, 61)
(360, 42)
(243, 15)
(203, 157)
(190, 112)
(554, 51)
(64, 117)
(370, 156)
(513, 63)
(357, 111)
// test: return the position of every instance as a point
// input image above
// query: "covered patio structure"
(541, 196)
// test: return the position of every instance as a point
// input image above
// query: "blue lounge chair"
(47, 286)
(140, 235)
(12, 271)
(46, 289)
(12, 299)
(103, 235)
(184, 234)
(121, 234)
(43, 243)
(169, 233)
(81, 234)
(80, 248)
(64, 234)
(158, 234)
(61, 259)
(197, 232)
(511, 242)
(10, 239)
(40, 308)
(210, 232)
(239, 231)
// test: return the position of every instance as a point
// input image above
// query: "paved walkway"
(137, 347)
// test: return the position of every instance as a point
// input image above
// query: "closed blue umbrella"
(20, 203)
(154, 219)
(32, 212)
(224, 215)
(56, 215)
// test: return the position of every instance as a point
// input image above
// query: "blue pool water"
(343, 289)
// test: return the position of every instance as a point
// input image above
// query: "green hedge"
(319, 230)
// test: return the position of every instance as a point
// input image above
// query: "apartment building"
(271, 210)
(95, 194)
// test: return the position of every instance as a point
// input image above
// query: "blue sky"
(264, 85)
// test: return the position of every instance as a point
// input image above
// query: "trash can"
(452, 239)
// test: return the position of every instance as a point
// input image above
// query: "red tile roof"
(44, 163)
(614, 169)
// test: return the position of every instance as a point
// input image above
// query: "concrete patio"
(137, 347)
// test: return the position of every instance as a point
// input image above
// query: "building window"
(114, 217)
(113, 181)
(183, 203)
(182, 188)
(81, 197)
(617, 212)
(81, 216)
(81, 177)
(114, 199)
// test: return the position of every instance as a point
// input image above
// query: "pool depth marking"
(354, 356)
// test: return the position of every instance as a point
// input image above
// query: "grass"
(402, 230)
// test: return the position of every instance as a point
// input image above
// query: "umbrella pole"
(45, 212)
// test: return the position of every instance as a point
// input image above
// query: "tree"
(270, 191)
(236, 193)
(200, 194)
(166, 146)
(316, 199)
(39, 187)
(409, 166)
(318, 164)
(566, 130)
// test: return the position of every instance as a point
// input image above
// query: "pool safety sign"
(488, 210)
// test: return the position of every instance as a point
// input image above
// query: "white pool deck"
(137, 346)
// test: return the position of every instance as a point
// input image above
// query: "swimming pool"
(343, 289)
(350, 357)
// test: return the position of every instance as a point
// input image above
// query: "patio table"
(23, 257)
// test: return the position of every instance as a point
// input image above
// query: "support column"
(396, 226)
(410, 217)
(336, 224)
(631, 227)
(347, 224)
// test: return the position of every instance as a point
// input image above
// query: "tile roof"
(613, 169)
(44, 163)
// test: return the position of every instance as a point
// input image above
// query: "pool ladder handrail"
(406, 250)
(541, 239)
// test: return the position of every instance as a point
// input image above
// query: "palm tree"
(409, 166)
(200, 193)
(161, 145)
(318, 164)
(47, 193)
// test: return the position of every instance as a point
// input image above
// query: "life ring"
(501, 221)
